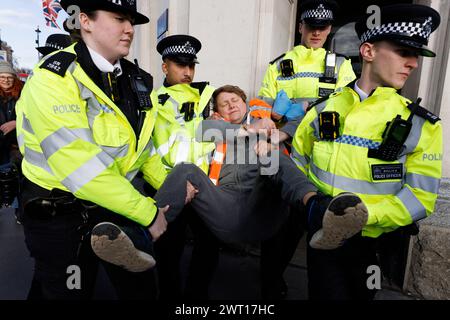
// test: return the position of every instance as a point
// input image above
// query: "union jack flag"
(51, 9)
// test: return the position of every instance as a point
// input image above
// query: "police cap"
(55, 42)
(180, 48)
(122, 6)
(318, 13)
(409, 25)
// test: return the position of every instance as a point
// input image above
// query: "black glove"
(315, 208)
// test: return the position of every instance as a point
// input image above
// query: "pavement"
(237, 277)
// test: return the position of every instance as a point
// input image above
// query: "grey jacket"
(241, 166)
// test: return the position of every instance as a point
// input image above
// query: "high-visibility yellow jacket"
(308, 69)
(74, 138)
(174, 137)
(396, 193)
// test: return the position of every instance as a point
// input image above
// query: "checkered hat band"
(401, 28)
(179, 50)
(322, 14)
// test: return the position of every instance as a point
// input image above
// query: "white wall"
(239, 37)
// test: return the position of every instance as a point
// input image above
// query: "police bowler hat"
(409, 25)
(318, 13)
(55, 42)
(180, 48)
(122, 6)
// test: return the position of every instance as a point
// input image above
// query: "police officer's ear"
(300, 27)
(367, 51)
(165, 68)
(85, 22)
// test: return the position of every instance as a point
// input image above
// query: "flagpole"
(37, 40)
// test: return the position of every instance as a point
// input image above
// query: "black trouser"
(341, 274)
(203, 262)
(55, 242)
(231, 213)
(277, 252)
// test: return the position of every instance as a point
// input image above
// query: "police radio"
(394, 136)
(141, 90)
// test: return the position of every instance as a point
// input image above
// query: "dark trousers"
(231, 213)
(341, 274)
(202, 264)
(277, 252)
(60, 242)
(234, 215)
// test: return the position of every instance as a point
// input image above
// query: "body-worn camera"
(329, 125)
(287, 68)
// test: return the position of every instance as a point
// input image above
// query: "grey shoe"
(345, 216)
(112, 244)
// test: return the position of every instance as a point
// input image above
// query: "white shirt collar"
(362, 95)
(104, 65)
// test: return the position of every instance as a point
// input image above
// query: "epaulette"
(200, 86)
(424, 113)
(277, 58)
(319, 101)
(162, 98)
(59, 62)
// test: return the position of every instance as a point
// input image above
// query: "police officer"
(56, 41)
(292, 81)
(183, 105)
(370, 140)
(84, 126)
(308, 71)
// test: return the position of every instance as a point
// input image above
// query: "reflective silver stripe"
(414, 136)
(315, 124)
(182, 152)
(302, 100)
(63, 137)
(414, 206)
(116, 152)
(303, 161)
(165, 148)
(260, 108)
(354, 185)
(150, 148)
(202, 160)
(26, 125)
(178, 116)
(132, 174)
(93, 106)
(267, 100)
(37, 159)
(21, 140)
(339, 62)
(87, 172)
(418, 181)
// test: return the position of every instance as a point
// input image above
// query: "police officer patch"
(387, 171)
